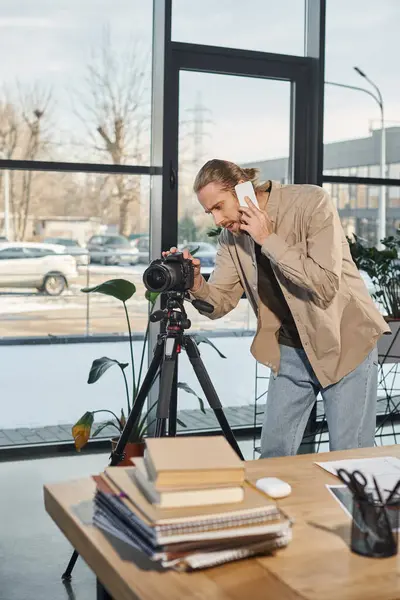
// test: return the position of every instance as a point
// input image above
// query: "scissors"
(356, 482)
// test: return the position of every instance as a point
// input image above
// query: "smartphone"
(246, 189)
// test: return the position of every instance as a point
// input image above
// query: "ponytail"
(227, 174)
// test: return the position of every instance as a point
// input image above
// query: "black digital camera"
(173, 273)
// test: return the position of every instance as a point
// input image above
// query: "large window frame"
(306, 74)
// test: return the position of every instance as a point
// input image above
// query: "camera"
(172, 273)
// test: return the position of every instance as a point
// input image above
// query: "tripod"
(168, 347)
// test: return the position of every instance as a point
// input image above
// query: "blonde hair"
(227, 174)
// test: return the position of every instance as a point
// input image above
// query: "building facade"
(357, 203)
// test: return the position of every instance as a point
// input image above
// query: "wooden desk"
(317, 564)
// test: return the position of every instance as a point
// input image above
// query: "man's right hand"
(196, 264)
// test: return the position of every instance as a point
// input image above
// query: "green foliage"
(123, 290)
(187, 229)
(101, 365)
(117, 288)
(383, 267)
(214, 232)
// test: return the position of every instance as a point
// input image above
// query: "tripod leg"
(66, 576)
(173, 404)
(167, 377)
(209, 391)
(118, 453)
(137, 408)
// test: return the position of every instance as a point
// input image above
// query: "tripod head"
(174, 315)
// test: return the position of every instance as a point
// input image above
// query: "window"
(116, 240)
(96, 240)
(89, 71)
(264, 25)
(9, 253)
(357, 205)
(360, 33)
(81, 207)
(143, 244)
(38, 252)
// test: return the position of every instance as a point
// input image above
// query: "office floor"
(33, 551)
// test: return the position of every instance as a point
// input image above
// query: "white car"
(41, 266)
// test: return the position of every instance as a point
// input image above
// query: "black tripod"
(168, 347)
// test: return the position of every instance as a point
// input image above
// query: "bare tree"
(115, 110)
(23, 135)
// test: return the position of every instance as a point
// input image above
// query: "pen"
(393, 492)
(383, 508)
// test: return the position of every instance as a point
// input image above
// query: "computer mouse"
(274, 487)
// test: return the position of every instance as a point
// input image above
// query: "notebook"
(185, 549)
(166, 497)
(183, 462)
(255, 507)
(196, 554)
(202, 560)
(117, 515)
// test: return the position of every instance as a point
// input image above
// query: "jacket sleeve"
(318, 266)
(223, 289)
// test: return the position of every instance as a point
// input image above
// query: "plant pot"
(389, 345)
(132, 449)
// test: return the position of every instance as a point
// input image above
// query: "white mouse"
(274, 487)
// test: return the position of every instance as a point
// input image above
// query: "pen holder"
(374, 528)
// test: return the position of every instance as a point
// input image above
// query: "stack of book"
(187, 505)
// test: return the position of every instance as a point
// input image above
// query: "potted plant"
(123, 290)
(383, 268)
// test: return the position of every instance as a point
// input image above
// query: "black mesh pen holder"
(374, 528)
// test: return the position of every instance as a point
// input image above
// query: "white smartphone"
(246, 189)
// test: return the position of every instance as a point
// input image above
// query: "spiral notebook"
(178, 557)
(255, 508)
(191, 538)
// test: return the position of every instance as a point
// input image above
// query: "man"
(317, 326)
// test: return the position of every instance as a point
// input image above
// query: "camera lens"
(157, 278)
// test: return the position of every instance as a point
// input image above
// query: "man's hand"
(255, 222)
(195, 262)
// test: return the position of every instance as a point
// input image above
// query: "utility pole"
(6, 198)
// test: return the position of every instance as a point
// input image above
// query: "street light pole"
(382, 195)
(381, 224)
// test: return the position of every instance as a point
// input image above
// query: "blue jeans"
(350, 405)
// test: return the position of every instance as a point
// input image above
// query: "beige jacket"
(337, 320)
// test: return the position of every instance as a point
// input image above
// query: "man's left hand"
(255, 222)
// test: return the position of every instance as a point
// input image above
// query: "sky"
(50, 42)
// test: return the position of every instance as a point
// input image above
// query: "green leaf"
(186, 388)
(101, 365)
(81, 430)
(117, 288)
(214, 231)
(199, 339)
(151, 297)
(103, 426)
(193, 252)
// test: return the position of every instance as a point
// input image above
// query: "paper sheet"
(386, 469)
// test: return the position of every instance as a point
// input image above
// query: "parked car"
(206, 252)
(41, 266)
(112, 250)
(143, 246)
(71, 247)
